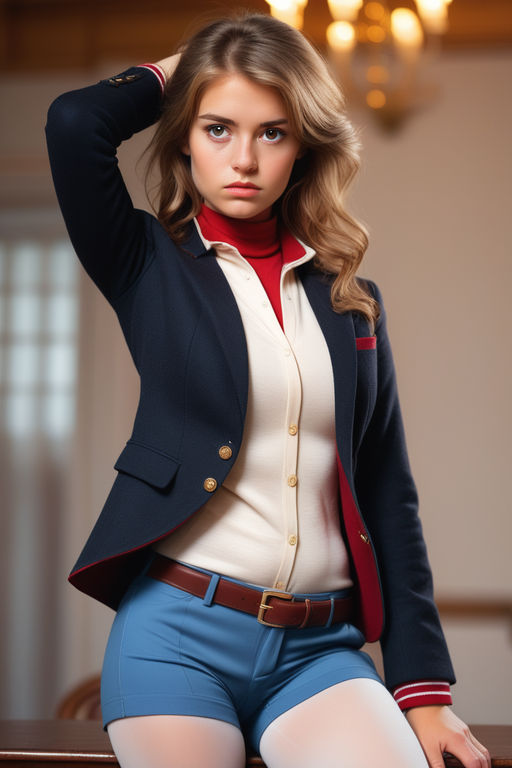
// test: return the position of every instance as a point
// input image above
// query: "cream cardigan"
(275, 520)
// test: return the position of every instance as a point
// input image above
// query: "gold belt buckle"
(267, 593)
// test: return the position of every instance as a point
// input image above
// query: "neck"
(252, 237)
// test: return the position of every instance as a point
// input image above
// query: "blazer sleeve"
(84, 129)
(413, 645)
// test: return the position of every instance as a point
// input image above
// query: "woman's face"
(241, 147)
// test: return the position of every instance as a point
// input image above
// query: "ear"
(302, 151)
(185, 148)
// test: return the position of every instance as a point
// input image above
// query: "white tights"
(355, 724)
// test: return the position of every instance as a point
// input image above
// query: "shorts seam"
(127, 706)
(200, 664)
(121, 654)
(170, 697)
(288, 686)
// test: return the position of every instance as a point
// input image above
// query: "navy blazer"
(185, 334)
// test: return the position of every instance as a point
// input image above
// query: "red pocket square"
(366, 342)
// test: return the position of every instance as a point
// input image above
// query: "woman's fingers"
(463, 745)
(482, 751)
(439, 730)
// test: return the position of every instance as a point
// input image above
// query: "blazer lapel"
(217, 296)
(339, 333)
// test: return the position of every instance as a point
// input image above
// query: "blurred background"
(431, 97)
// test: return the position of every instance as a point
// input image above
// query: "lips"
(242, 185)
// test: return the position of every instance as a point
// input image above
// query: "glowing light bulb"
(376, 33)
(434, 15)
(282, 5)
(376, 98)
(341, 36)
(406, 28)
(430, 6)
(289, 11)
(344, 10)
(374, 11)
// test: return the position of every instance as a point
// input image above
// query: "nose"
(244, 159)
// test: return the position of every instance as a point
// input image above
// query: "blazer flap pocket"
(147, 464)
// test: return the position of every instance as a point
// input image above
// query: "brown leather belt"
(272, 608)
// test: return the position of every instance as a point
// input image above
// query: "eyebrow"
(227, 121)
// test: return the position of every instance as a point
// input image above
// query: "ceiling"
(47, 35)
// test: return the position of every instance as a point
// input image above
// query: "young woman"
(264, 520)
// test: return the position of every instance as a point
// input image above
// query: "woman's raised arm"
(84, 129)
(169, 64)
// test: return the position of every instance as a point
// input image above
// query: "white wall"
(437, 199)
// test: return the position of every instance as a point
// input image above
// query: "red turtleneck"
(264, 244)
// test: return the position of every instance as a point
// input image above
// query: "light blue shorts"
(171, 653)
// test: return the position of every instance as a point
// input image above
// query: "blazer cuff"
(422, 693)
(158, 73)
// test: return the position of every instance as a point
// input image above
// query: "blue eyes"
(269, 136)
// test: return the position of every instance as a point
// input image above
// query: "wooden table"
(47, 743)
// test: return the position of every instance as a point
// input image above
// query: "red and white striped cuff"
(157, 71)
(422, 693)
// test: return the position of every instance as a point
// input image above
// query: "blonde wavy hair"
(271, 53)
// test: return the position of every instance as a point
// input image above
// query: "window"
(38, 337)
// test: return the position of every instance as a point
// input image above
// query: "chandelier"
(376, 50)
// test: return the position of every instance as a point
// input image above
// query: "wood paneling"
(49, 743)
(63, 34)
(484, 610)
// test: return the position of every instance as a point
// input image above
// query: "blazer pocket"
(366, 342)
(147, 464)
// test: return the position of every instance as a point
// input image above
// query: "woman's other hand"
(169, 64)
(439, 730)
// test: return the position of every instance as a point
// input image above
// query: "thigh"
(353, 724)
(176, 741)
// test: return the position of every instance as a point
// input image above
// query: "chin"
(244, 211)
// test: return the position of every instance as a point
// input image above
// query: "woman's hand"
(439, 730)
(169, 64)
